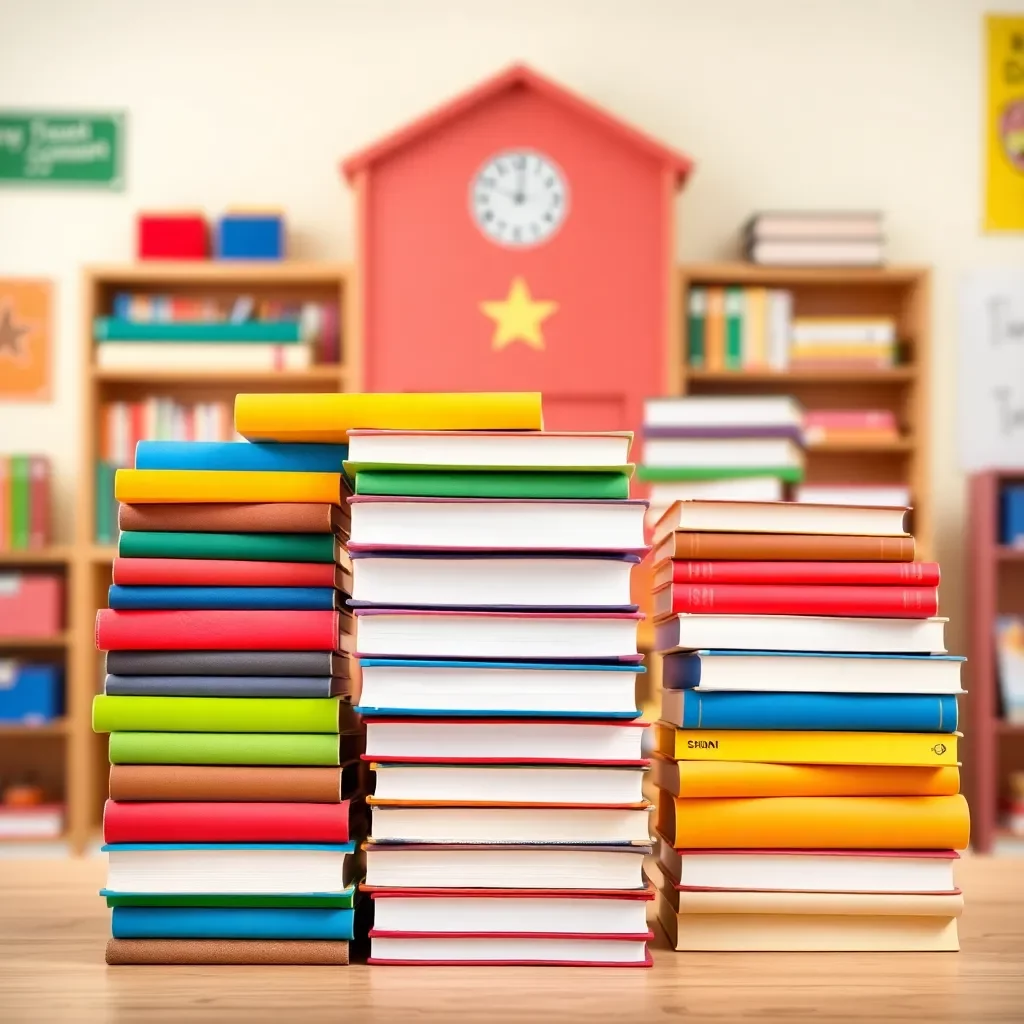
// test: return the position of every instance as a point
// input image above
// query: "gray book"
(225, 686)
(226, 663)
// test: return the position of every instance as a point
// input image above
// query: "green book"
(106, 527)
(696, 319)
(215, 714)
(19, 497)
(277, 332)
(337, 900)
(734, 303)
(791, 474)
(256, 547)
(470, 484)
(224, 748)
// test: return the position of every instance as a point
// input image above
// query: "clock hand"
(521, 190)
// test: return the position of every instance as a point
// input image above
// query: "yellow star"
(518, 318)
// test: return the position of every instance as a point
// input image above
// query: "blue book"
(278, 332)
(232, 923)
(268, 598)
(811, 672)
(816, 712)
(1011, 500)
(241, 456)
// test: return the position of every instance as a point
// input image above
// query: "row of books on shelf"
(736, 328)
(124, 424)
(24, 502)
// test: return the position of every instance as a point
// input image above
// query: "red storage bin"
(30, 605)
(173, 236)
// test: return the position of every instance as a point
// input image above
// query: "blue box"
(1011, 526)
(250, 236)
(30, 694)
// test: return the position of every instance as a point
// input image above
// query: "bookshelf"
(90, 561)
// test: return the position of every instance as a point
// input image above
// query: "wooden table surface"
(53, 928)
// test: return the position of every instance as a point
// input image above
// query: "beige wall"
(835, 103)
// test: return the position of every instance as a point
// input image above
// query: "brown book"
(229, 518)
(235, 783)
(227, 951)
(783, 547)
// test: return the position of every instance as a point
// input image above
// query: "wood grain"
(53, 928)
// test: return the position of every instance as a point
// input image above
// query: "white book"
(169, 355)
(461, 687)
(508, 784)
(764, 672)
(800, 633)
(40, 822)
(818, 253)
(498, 524)
(780, 316)
(803, 224)
(577, 636)
(870, 871)
(782, 517)
(726, 411)
(859, 494)
(505, 867)
(608, 915)
(503, 950)
(427, 739)
(828, 330)
(452, 449)
(545, 825)
(723, 452)
(491, 581)
(211, 868)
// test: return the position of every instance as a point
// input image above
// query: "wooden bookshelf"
(293, 281)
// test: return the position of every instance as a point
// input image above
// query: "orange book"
(714, 330)
(816, 823)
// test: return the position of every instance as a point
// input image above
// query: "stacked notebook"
(235, 781)
(807, 753)
(728, 448)
(809, 238)
(497, 647)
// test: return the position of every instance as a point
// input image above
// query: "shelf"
(900, 444)
(25, 642)
(245, 272)
(100, 553)
(58, 727)
(895, 375)
(316, 374)
(33, 840)
(753, 273)
(46, 556)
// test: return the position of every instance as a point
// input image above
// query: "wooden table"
(53, 927)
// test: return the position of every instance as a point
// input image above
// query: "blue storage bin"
(250, 236)
(1011, 529)
(30, 694)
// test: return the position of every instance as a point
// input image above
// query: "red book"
(39, 502)
(215, 572)
(864, 574)
(217, 630)
(169, 822)
(742, 599)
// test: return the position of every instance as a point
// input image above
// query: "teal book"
(277, 332)
(310, 923)
(696, 319)
(734, 304)
(256, 547)
(492, 484)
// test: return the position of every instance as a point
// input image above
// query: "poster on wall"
(1004, 123)
(991, 378)
(26, 334)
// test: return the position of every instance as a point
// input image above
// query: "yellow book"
(755, 354)
(148, 486)
(841, 350)
(896, 748)
(328, 418)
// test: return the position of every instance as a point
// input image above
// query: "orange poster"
(26, 331)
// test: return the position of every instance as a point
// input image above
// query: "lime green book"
(224, 748)
(215, 714)
(19, 501)
(791, 474)
(337, 900)
(254, 547)
(470, 484)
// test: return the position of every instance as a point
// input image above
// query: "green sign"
(61, 149)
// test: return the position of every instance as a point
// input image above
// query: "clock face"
(519, 198)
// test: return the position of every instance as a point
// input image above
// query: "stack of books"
(235, 781)
(497, 648)
(730, 448)
(807, 753)
(813, 238)
(843, 343)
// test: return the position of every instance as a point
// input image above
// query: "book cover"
(155, 597)
(261, 952)
(714, 330)
(781, 547)
(308, 923)
(860, 574)
(695, 326)
(225, 686)
(270, 547)
(108, 328)
(188, 485)
(226, 663)
(734, 303)
(755, 326)
(240, 457)
(228, 517)
(492, 484)
(211, 748)
(327, 418)
(220, 573)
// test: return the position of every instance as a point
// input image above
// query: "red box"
(173, 236)
(30, 605)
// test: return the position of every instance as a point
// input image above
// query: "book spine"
(767, 599)
(884, 574)
(20, 483)
(231, 457)
(695, 323)
(222, 663)
(173, 485)
(247, 597)
(104, 496)
(755, 329)
(238, 748)
(270, 547)
(220, 686)
(226, 924)
(169, 355)
(110, 329)
(714, 330)
(780, 328)
(39, 503)
(211, 572)
(217, 783)
(734, 327)
(226, 951)
(791, 547)
(5, 503)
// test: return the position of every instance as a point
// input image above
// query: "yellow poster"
(1004, 124)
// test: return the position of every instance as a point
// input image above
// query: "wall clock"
(519, 198)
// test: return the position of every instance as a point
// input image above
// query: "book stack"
(24, 502)
(497, 648)
(730, 448)
(807, 753)
(810, 238)
(235, 785)
(843, 343)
